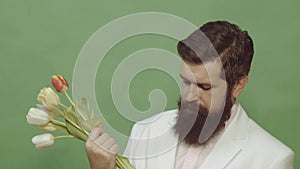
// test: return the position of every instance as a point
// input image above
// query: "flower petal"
(43, 140)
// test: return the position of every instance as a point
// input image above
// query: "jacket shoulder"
(262, 140)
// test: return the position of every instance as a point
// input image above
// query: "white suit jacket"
(243, 145)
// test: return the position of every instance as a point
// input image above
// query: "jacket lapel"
(167, 159)
(230, 143)
(165, 144)
(226, 149)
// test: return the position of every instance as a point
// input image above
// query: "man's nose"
(192, 93)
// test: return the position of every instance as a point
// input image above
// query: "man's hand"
(101, 149)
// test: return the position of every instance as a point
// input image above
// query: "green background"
(39, 38)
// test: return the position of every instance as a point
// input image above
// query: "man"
(210, 129)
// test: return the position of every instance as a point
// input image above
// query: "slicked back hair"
(220, 39)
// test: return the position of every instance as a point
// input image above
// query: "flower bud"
(43, 140)
(37, 116)
(48, 98)
(48, 127)
(42, 107)
(59, 83)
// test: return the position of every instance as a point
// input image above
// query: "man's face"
(202, 84)
(205, 103)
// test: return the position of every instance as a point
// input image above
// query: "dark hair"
(220, 39)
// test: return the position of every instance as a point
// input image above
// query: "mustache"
(191, 108)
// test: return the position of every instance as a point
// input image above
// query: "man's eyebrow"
(198, 84)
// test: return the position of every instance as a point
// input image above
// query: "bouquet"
(75, 120)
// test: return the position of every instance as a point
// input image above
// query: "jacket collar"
(230, 143)
(226, 148)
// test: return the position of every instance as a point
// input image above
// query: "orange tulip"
(59, 83)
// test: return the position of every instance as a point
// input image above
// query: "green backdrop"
(39, 38)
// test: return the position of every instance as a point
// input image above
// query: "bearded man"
(210, 129)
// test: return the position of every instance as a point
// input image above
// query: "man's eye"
(186, 82)
(205, 87)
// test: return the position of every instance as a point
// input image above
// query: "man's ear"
(239, 86)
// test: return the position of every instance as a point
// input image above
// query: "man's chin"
(190, 123)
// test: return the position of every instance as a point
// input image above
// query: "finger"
(109, 143)
(102, 139)
(89, 145)
(95, 133)
(114, 149)
(110, 146)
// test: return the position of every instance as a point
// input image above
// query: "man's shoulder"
(256, 143)
(261, 140)
(257, 138)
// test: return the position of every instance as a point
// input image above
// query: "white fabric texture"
(242, 145)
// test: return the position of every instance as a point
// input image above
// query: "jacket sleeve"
(284, 161)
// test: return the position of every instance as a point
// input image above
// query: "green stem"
(68, 97)
(74, 106)
(76, 126)
(59, 112)
(56, 122)
(66, 136)
(64, 106)
(78, 112)
(123, 163)
(59, 125)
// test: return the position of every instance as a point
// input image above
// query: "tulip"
(59, 83)
(43, 140)
(48, 127)
(48, 98)
(37, 116)
(42, 107)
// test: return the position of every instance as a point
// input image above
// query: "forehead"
(209, 72)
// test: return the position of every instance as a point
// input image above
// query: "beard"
(191, 119)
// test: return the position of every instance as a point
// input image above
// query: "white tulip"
(48, 98)
(43, 140)
(42, 107)
(37, 116)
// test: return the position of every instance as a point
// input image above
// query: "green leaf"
(63, 129)
(85, 115)
(59, 125)
(74, 128)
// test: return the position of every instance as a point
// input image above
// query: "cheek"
(205, 99)
(215, 99)
(184, 90)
